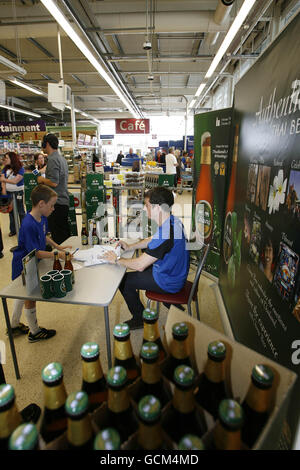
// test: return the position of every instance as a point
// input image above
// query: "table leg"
(10, 336)
(107, 330)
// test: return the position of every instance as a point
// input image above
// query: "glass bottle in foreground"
(10, 417)
(80, 433)
(123, 354)
(93, 380)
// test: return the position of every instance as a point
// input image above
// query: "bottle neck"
(150, 436)
(258, 399)
(184, 400)
(123, 349)
(79, 431)
(151, 372)
(55, 396)
(9, 420)
(179, 349)
(151, 331)
(91, 371)
(225, 439)
(214, 371)
(205, 155)
(118, 400)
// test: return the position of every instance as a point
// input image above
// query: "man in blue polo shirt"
(164, 265)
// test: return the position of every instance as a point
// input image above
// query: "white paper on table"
(94, 255)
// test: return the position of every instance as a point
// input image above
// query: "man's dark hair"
(41, 193)
(52, 141)
(161, 196)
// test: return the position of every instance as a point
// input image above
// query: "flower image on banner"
(277, 192)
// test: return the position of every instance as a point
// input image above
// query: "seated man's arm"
(137, 264)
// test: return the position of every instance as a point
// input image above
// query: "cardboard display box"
(238, 367)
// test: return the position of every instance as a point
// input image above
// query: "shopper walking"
(171, 164)
(56, 177)
(12, 182)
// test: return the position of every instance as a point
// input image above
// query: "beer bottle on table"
(69, 265)
(211, 389)
(24, 437)
(95, 239)
(204, 191)
(80, 435)
(150, 433)
(107, 439)
(151, 382)
(54, 420)
(123, 355)
(183, 417)
(227, 433)
(93, 380)
(84, 234)
(151, 331)
(191, 442)
(56, 263)
(179, 350)
(10, 417)
(120, 412)
(256, 405)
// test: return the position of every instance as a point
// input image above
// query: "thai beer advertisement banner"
(212, 133)
(260, 267)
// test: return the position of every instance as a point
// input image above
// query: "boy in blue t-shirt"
(33, 235)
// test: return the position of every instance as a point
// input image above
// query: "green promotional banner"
(260, 262)
(212, 137)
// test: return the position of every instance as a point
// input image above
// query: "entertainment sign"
(9, 127)
(132, 126)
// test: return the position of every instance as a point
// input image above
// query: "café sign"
(132, 126)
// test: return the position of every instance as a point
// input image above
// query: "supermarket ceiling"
(155, 53)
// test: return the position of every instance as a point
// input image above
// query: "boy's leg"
(36, 333)
(17, 327)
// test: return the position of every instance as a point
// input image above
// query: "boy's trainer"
(21, 329)
(42, 334)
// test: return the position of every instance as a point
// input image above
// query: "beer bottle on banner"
(232, 183)
(151, 331)
(69, 265)
(80, 435)
(227, 432)
(120, 412)
(95, 239)
(257, 403)
(123, 355)
(191, 442)
(211, 388)
(24, 437)
(150, 433)
(151, 382)
(183, 417)
(54, 420)
(107, 439)
(204, 192)
(93, 380)
(56, 263)
(179, 350)
(10, 417)
(84, 234)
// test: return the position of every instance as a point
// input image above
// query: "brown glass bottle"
(95, 238)
(93, 380)
(120, 412)
(84, 234)
(69, 265)
(256, 405)
(54, 420)
(211, 390)
(123, 355)
(151, 331)
(179, 350)
(150, 434)
(25, 437)
(204, 191)
(227, 432)
(80, 435)
(183, 417)
(151, 382)
(10, 417)
(56, 263)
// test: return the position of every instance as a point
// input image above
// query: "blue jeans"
(20, 209)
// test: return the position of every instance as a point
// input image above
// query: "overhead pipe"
(220, 17)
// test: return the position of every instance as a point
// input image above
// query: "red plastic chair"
(187, 294)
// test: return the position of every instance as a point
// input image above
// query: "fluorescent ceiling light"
(12, 65)
(237, 23)
(19, 110)
(69, 30)
(192, 103)
(28, 87)
(201, 87)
